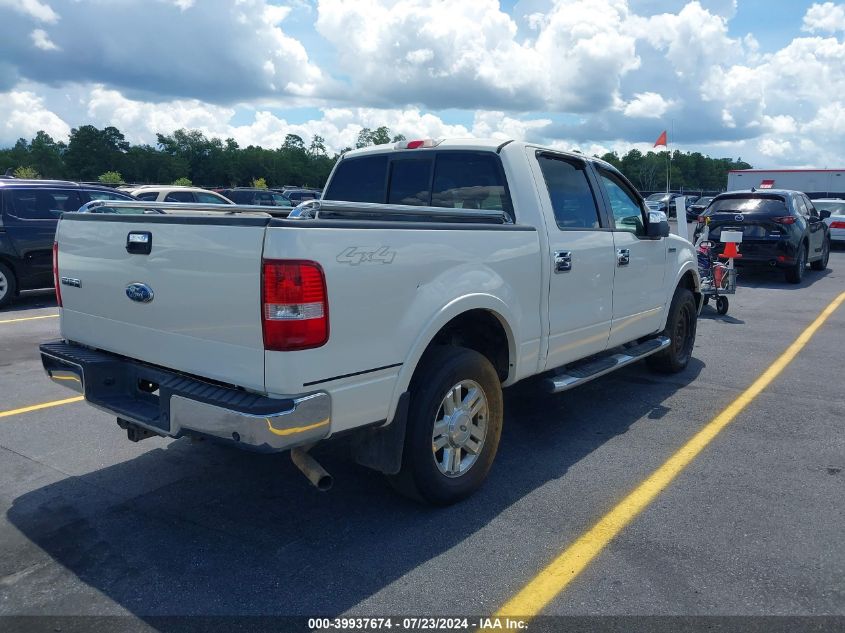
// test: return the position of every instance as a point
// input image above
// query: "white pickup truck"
(430, 276)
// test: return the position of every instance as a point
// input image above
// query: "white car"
(393, 311)
(836, 220)
(160, 193)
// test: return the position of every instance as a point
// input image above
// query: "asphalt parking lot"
(92, 524)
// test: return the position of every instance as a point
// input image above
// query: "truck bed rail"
(313, 209)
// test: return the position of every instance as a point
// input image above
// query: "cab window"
(572, 197)
(627, 213)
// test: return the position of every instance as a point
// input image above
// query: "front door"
(639, 296)
(581, 260)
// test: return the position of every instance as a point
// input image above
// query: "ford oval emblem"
(139, 292)
(738, 218)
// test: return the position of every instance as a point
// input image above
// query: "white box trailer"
(816, 183)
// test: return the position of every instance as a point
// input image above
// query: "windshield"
(657, 197)
(836, 207)
(747, 204)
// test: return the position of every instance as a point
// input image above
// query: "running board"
(578, 373)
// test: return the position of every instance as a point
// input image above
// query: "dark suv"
(779, 228)
(29, 212)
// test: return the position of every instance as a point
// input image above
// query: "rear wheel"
(454, 425)
(680, 329)
(821, 262)
(8, 285)
(795, 274)
(722, 304)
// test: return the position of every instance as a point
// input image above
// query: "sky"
(761, 80)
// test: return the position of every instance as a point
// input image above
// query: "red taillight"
(418, 143)
(56, 273)
(786, 219)
(294, 305)
(837, 225)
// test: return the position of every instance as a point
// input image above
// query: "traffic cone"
(730, 251)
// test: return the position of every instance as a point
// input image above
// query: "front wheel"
(722, 304)
(680, 329)
(454, 425)
(821, 262)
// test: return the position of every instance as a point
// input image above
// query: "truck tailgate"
(205, 275)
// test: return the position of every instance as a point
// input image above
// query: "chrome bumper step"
(576, 374)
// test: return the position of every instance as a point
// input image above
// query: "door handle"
(563, 261)
(623, 256)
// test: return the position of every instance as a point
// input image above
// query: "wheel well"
(479, 330)
(688, 282)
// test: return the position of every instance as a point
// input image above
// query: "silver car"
(836, 220)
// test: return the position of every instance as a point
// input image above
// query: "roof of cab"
(28, 182)
(473, 144)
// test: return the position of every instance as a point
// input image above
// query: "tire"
(795, 273)
(722, 304)
(821, 263)
(445, 376)
(680, 329)
(8, 285)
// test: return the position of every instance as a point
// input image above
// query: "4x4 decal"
(355, 255)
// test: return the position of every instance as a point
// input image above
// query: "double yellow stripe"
(552, 580)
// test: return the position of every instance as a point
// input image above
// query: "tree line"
(188, 156)
(690, 171)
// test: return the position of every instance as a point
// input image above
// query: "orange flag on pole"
(661, 140)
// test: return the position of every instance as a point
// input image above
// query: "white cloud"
(647, 105)
(40, 11)
(41, 40)
(827, 17)
(471, 54)
(22, 115)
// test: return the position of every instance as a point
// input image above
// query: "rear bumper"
(171, 404)
(778, 253)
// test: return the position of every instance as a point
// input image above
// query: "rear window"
(96, 194)
(43, 204)
(179, 196)
(209, 198)
(150, 196)
(461, 180)
(835, 208)
(747, 204)
(358, 180)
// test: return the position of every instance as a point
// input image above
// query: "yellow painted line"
(49, 316)
(552, 580)
(38, 407)
(293, 431)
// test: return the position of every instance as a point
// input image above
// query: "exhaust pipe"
(311, 468)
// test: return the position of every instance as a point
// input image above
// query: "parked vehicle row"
(836, 218)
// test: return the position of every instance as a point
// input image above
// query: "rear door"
(815, 227)
(31, 217)
(639, 294)
(582, 261)
(200, 310)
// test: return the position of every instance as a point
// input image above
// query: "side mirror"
(824, 214)
(658, 225)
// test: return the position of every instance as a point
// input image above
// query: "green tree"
(91, 152)
(46, 155)
(182, 182)
(111, 178)
(26, 172)
(259, 183)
